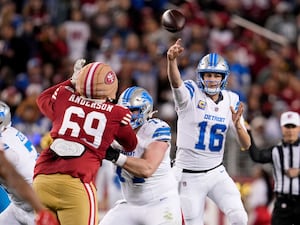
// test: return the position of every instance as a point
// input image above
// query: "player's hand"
(112, 154)
(175, 50)
(236, 115)
(115, 156)
(46, 217)
(292, 172)
(77, 67)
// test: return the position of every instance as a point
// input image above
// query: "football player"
(148, 184)
(85, 122)
(205, 112)
(17, 160)
(22, 154)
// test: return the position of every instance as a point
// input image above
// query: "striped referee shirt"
(283, 156)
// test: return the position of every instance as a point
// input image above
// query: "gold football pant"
(74, 202)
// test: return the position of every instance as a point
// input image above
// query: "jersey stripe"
(164, 133)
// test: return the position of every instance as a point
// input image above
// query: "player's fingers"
(178, 41)
(232, 110)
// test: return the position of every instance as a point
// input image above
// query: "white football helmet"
(212, 63)
(5, 116)
(137, 99)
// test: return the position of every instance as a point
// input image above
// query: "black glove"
(112, 154)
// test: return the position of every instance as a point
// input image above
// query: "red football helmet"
(97, 81)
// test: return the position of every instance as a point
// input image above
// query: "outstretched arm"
(172, 68)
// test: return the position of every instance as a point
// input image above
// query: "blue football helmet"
(5, 116)
(140, 102)
(212, 63)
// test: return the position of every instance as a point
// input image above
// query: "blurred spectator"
(240, 79)
(283, 22)
(77, 35)
(28, 119)
(33, 74)
(13, 51)
(37, 12)
(219, 35)
(52, 44)
(107, 55)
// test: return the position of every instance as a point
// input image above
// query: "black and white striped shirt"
(283, 156)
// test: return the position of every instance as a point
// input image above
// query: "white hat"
(290, 118)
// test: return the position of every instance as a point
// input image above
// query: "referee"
(285, 159)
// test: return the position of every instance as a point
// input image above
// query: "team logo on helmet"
(110, 77)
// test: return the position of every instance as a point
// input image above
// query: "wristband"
(121, 160)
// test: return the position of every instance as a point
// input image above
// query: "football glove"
(115, 156)
(46, 217)
(79, 63)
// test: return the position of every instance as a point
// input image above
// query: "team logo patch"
(201, 104)
(110, 77)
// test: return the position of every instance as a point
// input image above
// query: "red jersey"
(92, 123)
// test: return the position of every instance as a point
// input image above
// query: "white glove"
(79, 63)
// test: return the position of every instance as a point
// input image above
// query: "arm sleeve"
(180, 95)
(127, 138)
(47, 98)
(257, 155)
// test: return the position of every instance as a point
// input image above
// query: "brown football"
(172, 20)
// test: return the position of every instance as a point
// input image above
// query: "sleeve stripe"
(164, 131)
(190, 87)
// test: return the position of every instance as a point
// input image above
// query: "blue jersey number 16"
(216, 137)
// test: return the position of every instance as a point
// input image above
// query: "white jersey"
(141, 191)
(22, 154)
(202, 126)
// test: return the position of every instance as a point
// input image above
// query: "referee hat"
(290, 118)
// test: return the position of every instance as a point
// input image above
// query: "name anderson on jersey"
(95, 105)
(214, 118)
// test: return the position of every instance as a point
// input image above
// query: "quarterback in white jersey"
(22, 155)
(149, 187)
(205, 112)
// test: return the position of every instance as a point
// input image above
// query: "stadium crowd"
(40, 41)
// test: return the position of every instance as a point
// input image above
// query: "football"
(172, 20)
